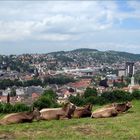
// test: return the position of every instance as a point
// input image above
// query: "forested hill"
(82, 57)
(85, 54)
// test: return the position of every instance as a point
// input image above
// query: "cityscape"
(29, 75)
(69, 69)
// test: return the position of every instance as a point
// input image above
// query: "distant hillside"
(85, 55)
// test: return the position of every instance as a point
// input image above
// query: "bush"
(90, 92)
(106, 97)
(42, 102)
(116, 96)
(95, 100)
(48, 99)
(136, 94)
(18, 107)
(7, 108)
(77, 100)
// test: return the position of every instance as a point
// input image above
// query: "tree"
(50, 94)
(47, 99)
(8, 98)
(116, 96)
(103, 83)
(136, 94)
(42, 102)
(13, 92)
(90, 92)
(77, 100)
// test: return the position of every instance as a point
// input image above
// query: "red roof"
(35, 95)
(81, 84)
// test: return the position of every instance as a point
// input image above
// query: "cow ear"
(91, 105)
(33, 108)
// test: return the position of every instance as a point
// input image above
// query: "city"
(28, 76)
(69, 69)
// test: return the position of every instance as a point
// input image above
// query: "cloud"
(58, 17)
(79, 23)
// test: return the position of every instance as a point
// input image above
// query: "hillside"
(125, 126)
(83, 57)
(86, 55)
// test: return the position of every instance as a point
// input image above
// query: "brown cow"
(20, 117)
(105, 112)
(120, 107)
(81, 112)
(123, 107)
(58, 113)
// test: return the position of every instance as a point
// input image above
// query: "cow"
(123, 107)
(82, 112)
(21, 117)
(120, 107)
(58, 113)
(105, 113)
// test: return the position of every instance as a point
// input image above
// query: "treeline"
(49, 100)
(91, 96)
(60, 80)
(10, 83)
(35, 82)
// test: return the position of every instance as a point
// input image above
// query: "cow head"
(128, 104)
(36, 114)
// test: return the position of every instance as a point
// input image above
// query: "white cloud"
(60, 17)
(68, 22)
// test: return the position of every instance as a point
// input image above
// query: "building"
(130, 69)
(121, 72)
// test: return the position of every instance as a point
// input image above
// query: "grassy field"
(124, 127)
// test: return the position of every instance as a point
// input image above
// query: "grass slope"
(125, 126)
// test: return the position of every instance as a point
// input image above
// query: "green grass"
(123, 127)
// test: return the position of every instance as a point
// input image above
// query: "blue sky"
(46, 26)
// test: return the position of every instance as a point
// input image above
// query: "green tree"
(50, 94)
(77, 100)
(47, 99)
(136, 94)
(42, 102)
(13, 92)
(116, 96)
(90, 92)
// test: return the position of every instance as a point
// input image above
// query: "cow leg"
(62, 117)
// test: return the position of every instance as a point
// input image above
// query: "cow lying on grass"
(58, 113)
(105, 113)
(111, 110)
(123, 107)
(81, 112)
(120, 107)
(20, 117)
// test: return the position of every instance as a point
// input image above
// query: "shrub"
(7, 108)
(116, 96)
(90, 92)
(136, 94)
(19, 107)
(42, 102)
(77, 100)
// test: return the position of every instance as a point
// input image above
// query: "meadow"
(126, 126)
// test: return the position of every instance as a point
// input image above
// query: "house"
(35, 96)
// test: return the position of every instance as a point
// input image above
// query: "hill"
(85, 55)
(125, 126)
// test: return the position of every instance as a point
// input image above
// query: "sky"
(45, 26)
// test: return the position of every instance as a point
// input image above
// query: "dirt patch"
(29, 134)
(7, 136)
(86, 129)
